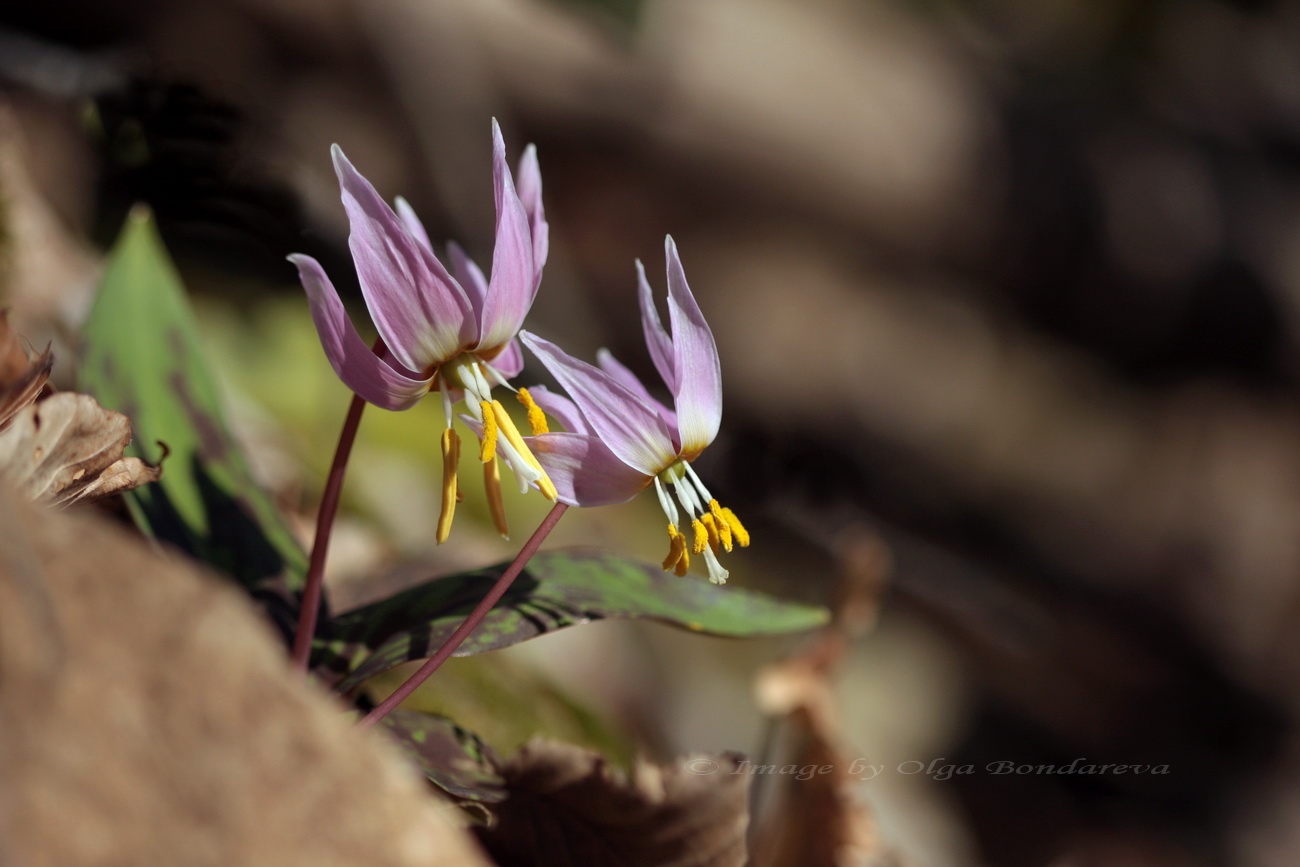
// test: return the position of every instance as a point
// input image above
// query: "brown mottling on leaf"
(212, 442)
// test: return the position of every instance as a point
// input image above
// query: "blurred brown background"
(1011, 286)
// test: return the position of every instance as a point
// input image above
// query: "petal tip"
(343, 166)
(305, 264)
(670, 251)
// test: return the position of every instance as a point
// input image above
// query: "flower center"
(471, 374)
(713, 527)
(475, 377)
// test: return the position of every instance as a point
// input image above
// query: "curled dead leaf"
(822, 823)
(565, 807)
(22, 373)
(67, 449)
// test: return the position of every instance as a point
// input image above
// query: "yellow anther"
(676, 547)
(507, 427)
(450, 460)
(536, 418)
(717, 538)
(492, 484)
(488, 450)
(701, 537)
(737, 529)
(720, 519)
(679, 558)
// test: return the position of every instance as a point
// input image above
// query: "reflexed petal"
(624, 377)
(611, 365)
(421, 312)
(584, 471)
(469, 276)
(511, 360)
(407, 215)
(632, 430)
(530, 194)
(656, 339)
(510, 289)
(560, 408)
(359, 368)
(695, 358)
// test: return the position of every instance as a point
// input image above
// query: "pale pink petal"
(615, 368)
(530, 194)
(421, 312)
(560, 408)
(510, 362)
(656, 338)
(468, 275)
(407, 215)
(698, 395)
(510, 289)
(632, 430)
(360, 369)
(606, 361)
(584, 471)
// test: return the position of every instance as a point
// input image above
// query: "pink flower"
(620, 439)
(447, 331)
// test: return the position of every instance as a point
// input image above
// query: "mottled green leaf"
(141, 356)
(454, 759)
(557, 589)
(507, 700)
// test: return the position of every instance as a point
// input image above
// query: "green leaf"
(454, 759)
(507, 700)
(141, 356)
(557, 589)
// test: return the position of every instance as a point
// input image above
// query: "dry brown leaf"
(149, 717)
(22, 373)
(123, 474)
(67, 448)
(566, 808)
(818, 820)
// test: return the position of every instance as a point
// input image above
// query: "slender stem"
(472, 621)
(329, 506)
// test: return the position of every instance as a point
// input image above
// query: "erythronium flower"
(620, 439)
(447, 331)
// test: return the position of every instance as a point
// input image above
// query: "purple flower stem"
(329, 506)
(472, 621)
(309, 610)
